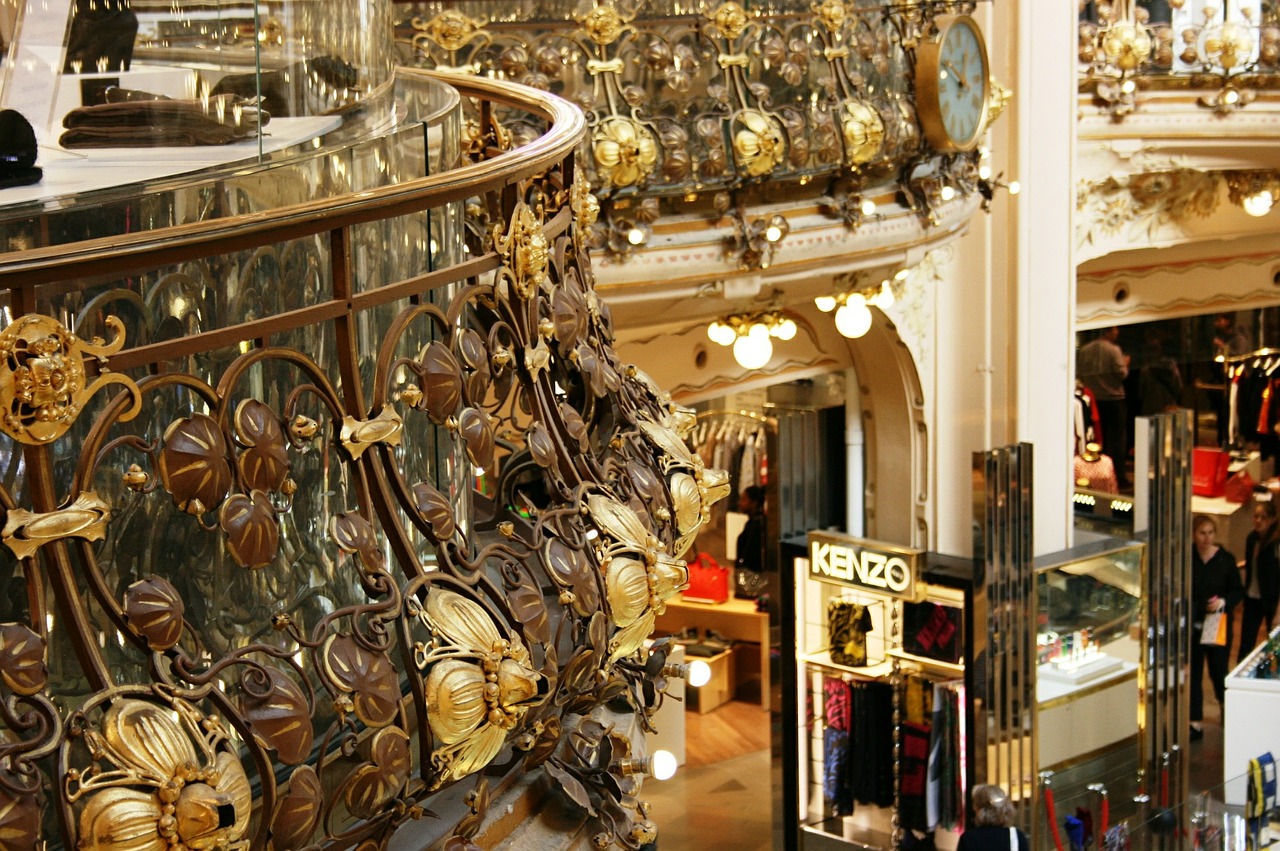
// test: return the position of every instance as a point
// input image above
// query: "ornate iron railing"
(366, 523)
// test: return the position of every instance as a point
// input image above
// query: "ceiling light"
(883, 299)
(948, 192)
(825, 303)
(868, 207)
(754, 349)
(853, 319)
(635, 236)
(785, 330)
(1259, 203)
(721, 333)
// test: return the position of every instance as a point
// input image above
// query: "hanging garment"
(837, 774)
(872, 742)
(1098, 475)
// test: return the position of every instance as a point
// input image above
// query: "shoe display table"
(735, 619)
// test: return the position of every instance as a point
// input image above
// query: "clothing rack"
(1259, 355)
(771, 422)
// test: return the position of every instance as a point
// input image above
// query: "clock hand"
(960, 77)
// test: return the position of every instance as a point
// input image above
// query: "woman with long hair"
(1261, 576)
(1215, 588)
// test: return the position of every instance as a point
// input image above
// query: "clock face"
(952, 84)
(962, 82)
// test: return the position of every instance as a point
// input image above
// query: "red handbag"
(1209, 471)
(1239, 488)
(708, 580)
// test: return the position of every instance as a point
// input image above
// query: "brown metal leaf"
(546, 744)
(569, 315)
(541, 447)
(435, 509)
(646, 482)
(193, 464)
(442, 382)
(371, 786)
(298, 810)
(280, 717)
(19, 818)
(353, 534)
(574, 425)
(264, 464)
(22, 665)
(570, 568)
(474, 426)
(474, 352)
(590, 365)
(154, 609)
(366, 674)
(253, 536)
(572, 787)
(529, 607)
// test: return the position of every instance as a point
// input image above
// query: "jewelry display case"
(1253, 698)
(1089, 649)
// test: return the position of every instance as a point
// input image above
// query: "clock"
(953, 83)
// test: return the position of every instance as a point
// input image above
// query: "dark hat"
(17, 150)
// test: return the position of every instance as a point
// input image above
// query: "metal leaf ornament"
(264, 464)
(253, 537)
(436, 510)
(479, 684)
(366, 675)
(193, 464)
(298, 810)
(154, 610)
(442, 382)
(477, 431)
(372, 785)
(22, 664)
(277, 711)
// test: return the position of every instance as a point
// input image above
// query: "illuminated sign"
(869, 565)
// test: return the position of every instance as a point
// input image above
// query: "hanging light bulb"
(664, 765)
(754, 349)
(721, 333)
(868, 207)
(785, 329)
(853, 319)
(825, 303)
(1259, 203)
(883, 298)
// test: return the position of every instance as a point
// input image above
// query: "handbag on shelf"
(1214, 632)
(1239, 488)
(708, 580)
(1209, 471)
(748, 584)
(847, 626)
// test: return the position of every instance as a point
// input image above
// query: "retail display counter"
(1249, 727)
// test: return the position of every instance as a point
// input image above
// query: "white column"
(1044, 112)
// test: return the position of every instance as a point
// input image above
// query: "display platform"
(1077, 671)
(735, 619)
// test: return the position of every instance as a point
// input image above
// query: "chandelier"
(853, 307)
(751, 335)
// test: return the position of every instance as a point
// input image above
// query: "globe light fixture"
(699, 673)
(1259, 203)
(853, 318)
(664, 765)
(751, 335)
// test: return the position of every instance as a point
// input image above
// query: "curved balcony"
(730, 141)
(334, 515)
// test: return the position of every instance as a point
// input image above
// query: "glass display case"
(1089, 649)
(1253, 699)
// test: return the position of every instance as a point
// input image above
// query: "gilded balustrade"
(333, 515)
(713, 107)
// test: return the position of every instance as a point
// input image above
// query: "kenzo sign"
(868, 565)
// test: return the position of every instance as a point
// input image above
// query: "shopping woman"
(1261, 576)
(1215, 588)
(992, 828)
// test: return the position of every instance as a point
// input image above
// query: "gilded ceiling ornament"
(1126, 45)
(479, 684)
(831, 14)
(26, 531)
(731, 19)
(359, 435)
(603, 24)
(170, 782)
(625, 151)
(43, 377)
(863, 132)
(524, 251)
(759, 143)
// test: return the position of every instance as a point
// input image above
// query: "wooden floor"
(728, 731)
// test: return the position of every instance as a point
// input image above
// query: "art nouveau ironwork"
(362, 546)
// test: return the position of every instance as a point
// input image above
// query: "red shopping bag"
(1209, 471)
(708, 580)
